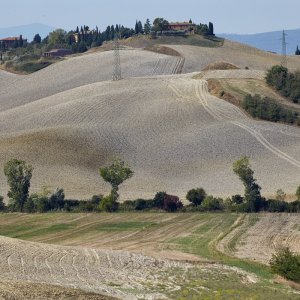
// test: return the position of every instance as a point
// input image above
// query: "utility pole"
(284, 57)
(117, 74)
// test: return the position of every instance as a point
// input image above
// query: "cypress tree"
(140, 27)
(37, 39)
(297, 51)
(147, 27)
(211, 28)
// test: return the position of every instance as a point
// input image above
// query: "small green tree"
(160, 24)
(286, 264)
(115, 175)
(242, 168)
(18, 175)
(210, 203)
(297, 51)
(196, 196)
(57, 38)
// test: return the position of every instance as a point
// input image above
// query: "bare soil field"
(242, 56)
(17, 289)
(270, 231)
(68, 136)
(97, 260)
(79, 71)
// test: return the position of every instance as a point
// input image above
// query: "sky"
(228, 16)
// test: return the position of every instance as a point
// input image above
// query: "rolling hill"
(268, 41)
(69, 119)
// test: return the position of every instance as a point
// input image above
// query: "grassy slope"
(124, 231)
(193, 40)
(27, 66)
(236, 89)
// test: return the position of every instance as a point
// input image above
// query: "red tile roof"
(10, 39)
(181, 24)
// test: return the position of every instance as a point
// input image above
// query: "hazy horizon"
(228, 17)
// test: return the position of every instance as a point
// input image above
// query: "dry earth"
(81, 70)
(173, 133)
(237, 54)
(270, 232)
(17, 289)
(34, 270)
(121, 274)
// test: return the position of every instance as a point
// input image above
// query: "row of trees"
(268, 109)
(87, 38)
(19, 174)
(287, 83)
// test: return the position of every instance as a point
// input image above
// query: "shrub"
(237, 199)
(210, 203)
(277, 206)
(167, 202)
(269, 110)
(71, 205)
(96, 199)
(287, 83)
(140, 204)
(109, 204)
(2, 204)
(159, 200)
(57, 200)
(294, 206)
(196, 196)
(41, 204)
(172, 203)
(29, 206)
(286, 264)
(127, 205)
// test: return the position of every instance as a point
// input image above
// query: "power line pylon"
(117, 73)
(284, 57)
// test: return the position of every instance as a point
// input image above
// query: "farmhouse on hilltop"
(188, 27)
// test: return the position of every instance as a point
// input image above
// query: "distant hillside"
(28, 31)
(268, 41)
